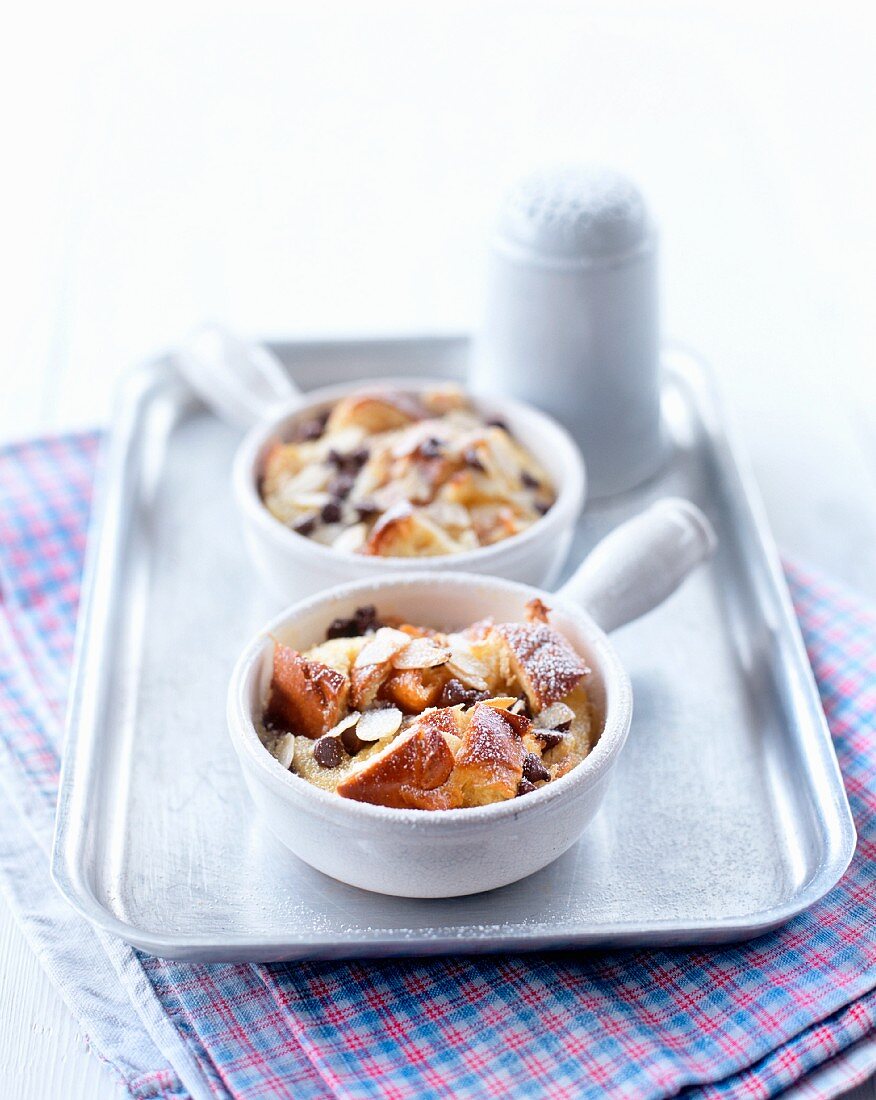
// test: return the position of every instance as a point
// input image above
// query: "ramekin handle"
(242, 383)
(641, 562)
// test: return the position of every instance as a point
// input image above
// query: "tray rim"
(103, 557)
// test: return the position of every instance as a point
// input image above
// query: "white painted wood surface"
(303, 169)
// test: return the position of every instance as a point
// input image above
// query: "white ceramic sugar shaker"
(571, 321)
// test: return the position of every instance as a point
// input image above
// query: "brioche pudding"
(396, 474)
(408, 717)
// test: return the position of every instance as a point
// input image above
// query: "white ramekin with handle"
(247, 386)
(445, 853)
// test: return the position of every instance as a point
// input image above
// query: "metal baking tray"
(726, 816)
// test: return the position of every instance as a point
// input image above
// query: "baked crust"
(408, 773)
(537, 611)
(541, 659)
(375, 411)
(489, 763)
(373, 665)
(306, 697)
(414, 690)
(405, 533)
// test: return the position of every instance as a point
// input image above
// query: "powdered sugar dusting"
(548, 666)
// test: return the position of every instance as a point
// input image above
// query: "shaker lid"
(574, 213)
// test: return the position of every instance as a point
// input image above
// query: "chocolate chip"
(455, 692)
(526, 709)
(525, 787)
(350, 741)
(549, 738)
(366, 618)
(304, 525)
(470, 457)
(360, 622)
(431, 447)
(533, 769)
(452, 693)
(366, 509)
(327, 752)
(349, 462)
(331, 512)
(310, 429)
(496, 422)
(342, 628)
(341, 485)
(529, 481)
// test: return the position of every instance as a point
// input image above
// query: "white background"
(313, 169)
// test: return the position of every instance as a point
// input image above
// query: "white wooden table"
(292, 170)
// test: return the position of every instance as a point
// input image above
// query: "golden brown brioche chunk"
(416, 631)
(374, 663)
(537, 611)
(489, 763)
(409, 771)
(415, 689)
(306, 697)
(404, 533)
(375, 412)
(541, 659)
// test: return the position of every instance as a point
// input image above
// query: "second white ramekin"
(246, 384)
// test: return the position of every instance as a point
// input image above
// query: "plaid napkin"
(794, 1011)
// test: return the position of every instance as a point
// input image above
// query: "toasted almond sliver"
(284, 749)
(344, 724)
(409, 439)
(421, 653)
(501, 702)
(449, 514)
(466, 667)
(375, 724)
(557, 714)
(351, 539)
(310, 500)
(342, 440)
(313, 478)
(382, 647)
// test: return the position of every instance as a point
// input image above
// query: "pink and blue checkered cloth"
(792, 1012)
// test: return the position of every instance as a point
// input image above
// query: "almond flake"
(283, 750)
(310, 500)
(421, 653)
(352, 539)
(377, 724)
(311, 479)
(342, 440)
(557, 714)
(467, 668)
(449, 514)
(344, 724)
(501, 702)
(382, 647)
(411, 438)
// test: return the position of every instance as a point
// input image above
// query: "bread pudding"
(409, 717)
(396, 474)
